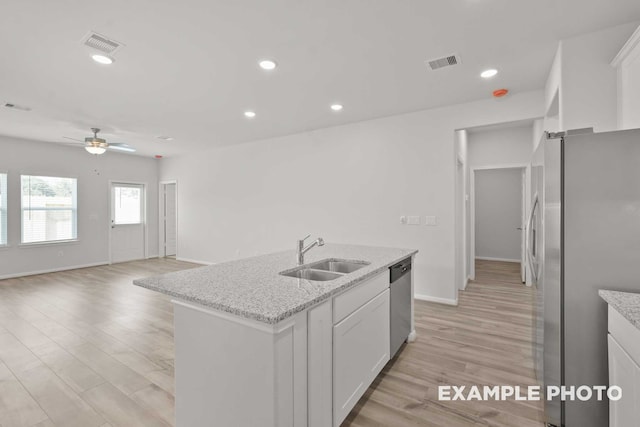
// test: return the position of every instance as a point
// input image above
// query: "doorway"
(127, 237)
(168, 219)
(498, 215)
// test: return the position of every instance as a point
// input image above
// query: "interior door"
(523, 230)
(127, 222)
(170, 220)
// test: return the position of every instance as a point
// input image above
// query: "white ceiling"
(189, 68)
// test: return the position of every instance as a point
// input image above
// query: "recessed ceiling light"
(486, 74)
(336, 107)
(249, 114)
(102, 59)
(268, 64)
(165, 138)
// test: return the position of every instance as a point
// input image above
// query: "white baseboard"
(195, 261)
(446, 301)
(485, 258)
(53, 270)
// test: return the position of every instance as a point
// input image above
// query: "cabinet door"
(624, 373)
(360, 351)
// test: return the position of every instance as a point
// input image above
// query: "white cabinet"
(360, 351)
(307, 371)
(624, 370)
(624, 373)
(320, 361)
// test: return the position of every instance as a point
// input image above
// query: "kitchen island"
(255, 347)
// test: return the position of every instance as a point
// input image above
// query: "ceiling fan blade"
(73, 139)
(122, 147)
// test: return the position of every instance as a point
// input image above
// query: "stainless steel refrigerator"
(583, 234)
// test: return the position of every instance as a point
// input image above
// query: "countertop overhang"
(253, 288)
(625, 303)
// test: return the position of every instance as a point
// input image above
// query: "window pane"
(3, 209)
(49, 209)
(127, 205)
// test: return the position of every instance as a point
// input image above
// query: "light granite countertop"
(626, 303)
(253, 288)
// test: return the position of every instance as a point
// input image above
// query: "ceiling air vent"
(101, 43)
(445, 61)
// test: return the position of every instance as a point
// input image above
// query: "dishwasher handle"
(400, 269)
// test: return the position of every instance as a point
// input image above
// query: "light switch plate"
(430, 220)
(403, 219)
(413, 220)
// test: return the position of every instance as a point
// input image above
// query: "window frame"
(74, 210)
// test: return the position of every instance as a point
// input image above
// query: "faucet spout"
(302, 249)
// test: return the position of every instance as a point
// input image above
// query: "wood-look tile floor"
(485, 340)
(86, 348)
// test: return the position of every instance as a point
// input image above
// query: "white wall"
(498, 195)
(538, 133)
(552, 86)
(506, 146)
(627, 63)
(19, 156)
(347, 184)
(630, 114)
(585, 81)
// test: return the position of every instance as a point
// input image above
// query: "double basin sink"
(324, 270)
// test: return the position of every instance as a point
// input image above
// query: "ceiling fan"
(95, 145)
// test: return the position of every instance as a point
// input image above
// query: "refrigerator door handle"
(530, 238)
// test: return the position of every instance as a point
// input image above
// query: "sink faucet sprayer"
(302, 249)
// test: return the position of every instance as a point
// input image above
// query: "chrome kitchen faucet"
(302, 249)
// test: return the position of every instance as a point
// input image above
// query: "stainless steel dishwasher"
(400, 304)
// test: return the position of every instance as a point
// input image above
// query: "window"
(49, 209)
(3, 209)
(127, 204)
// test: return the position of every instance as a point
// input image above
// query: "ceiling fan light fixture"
(94, 140)
(95, 149)
(95, 145)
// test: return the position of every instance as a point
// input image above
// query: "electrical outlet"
(430, 220)
(413, 220)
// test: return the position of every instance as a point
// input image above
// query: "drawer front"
(348, 302)
(625, 333)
